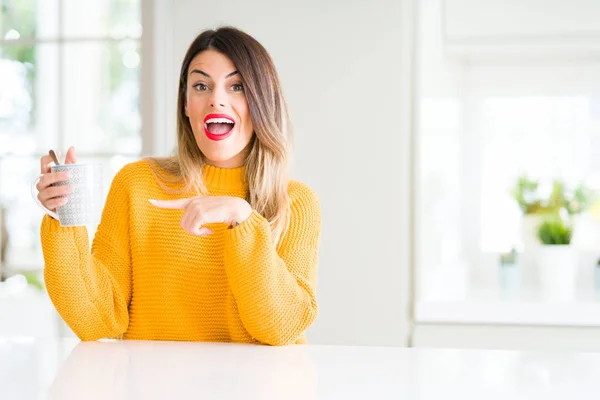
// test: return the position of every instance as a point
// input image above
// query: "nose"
(218, 98)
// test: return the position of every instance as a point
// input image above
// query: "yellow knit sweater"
(147, 278)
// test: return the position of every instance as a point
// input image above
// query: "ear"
(185, 109)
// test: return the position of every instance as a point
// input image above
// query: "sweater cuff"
(251, 224)
(51, 226)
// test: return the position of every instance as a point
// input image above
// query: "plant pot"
(510, 279)
(557, 266)
(529, 231)
(531, 244)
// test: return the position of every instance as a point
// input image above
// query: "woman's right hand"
(51, 196)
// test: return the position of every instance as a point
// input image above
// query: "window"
(540, 119)
(69, 75)
(544, 137)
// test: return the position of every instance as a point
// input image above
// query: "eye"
(201, 87)
(238, 87)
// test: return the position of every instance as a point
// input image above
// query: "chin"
(217, 159)
(221, 153)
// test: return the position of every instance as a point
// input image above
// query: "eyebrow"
(199, 71)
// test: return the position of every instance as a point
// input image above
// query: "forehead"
(212, 62)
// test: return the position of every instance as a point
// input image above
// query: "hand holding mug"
(49, 195)
(70, 192)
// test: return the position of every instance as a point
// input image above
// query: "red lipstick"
(221, 117)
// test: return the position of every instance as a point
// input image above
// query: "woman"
(213, 244)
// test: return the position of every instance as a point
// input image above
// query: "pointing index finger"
(178, 204)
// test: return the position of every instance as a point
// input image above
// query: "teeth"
(219, 121)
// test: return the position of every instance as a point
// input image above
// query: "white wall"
(553, 20)
(524, 28)
(345, 68)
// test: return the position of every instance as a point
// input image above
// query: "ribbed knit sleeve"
(91, 290)
(275, 289)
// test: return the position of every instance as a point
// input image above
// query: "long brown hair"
(266, 166)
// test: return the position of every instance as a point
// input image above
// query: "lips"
(218, 126)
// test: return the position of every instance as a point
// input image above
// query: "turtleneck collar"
(224, 178)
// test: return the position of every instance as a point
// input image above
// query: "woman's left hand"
(202, 210)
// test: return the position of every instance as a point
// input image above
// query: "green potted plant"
(509, 258)
(527, 195)
(555, 232)
(577, 203)
(509, 271)
(580, 200)
(557, 259)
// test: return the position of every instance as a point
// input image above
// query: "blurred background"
(455, 146)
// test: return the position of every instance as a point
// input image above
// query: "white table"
(68, 369)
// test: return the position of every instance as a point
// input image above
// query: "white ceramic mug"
(85, 201)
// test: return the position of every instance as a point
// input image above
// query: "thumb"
(71, 157)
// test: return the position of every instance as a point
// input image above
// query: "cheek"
(194, 106)
(244, 113)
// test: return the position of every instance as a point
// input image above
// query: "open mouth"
(218, 126)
